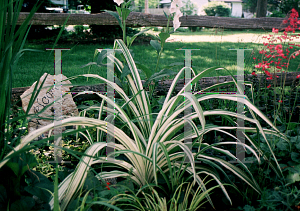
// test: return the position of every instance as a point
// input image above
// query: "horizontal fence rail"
(136, 19)
(205, 82)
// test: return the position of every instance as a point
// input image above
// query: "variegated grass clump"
(153, 143)
(141, 200)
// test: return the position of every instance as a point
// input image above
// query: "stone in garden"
(46, 97)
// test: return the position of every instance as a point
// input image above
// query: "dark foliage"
(104, 31)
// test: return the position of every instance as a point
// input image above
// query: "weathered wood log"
(163, 86)
(136, 19)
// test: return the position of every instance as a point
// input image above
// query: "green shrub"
(182, 29)
(156, 29)
(79, 29)
(217, 8)
(276, 13)
(195, 28)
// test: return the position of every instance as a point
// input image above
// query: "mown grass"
(32, 65)
(219, 31)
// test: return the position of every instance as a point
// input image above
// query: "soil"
(88, 40)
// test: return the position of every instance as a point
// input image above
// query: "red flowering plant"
(108, 188)
(277, 52)
(279, 55)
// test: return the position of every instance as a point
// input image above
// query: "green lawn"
(33, 64)
(219, 31)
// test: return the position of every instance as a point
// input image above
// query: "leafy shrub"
(276, 13)
(217, 8)
(79, 29)
(182, 29)
(194, 28)
(156, 29)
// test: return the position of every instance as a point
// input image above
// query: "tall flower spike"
(119, 2)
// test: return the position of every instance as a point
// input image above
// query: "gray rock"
(46, 97)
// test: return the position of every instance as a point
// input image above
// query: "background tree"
(261, 10)
(35, 30)
(251, 5)
(146, 6)
(73, 4)
(104, 31)
(274, 6)
(29, 4)
(287, 5)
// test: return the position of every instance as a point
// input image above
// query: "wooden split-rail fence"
(136, 19)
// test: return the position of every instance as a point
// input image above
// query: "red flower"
(258, 66)
(268, 73)
(278, 46)
(288, 28)
(294, 11)
(275, 30)
(279, 51)
(280, 101)
(268, 56)
(262, 51)
(253, 73)
(107, 186)
(269, 86)
(298, 76)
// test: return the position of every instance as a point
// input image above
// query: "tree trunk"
(146, 7)
(261, 10)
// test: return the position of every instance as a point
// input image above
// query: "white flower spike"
(178, 2)
(119, 2)
(176, 24)
(175, 8)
